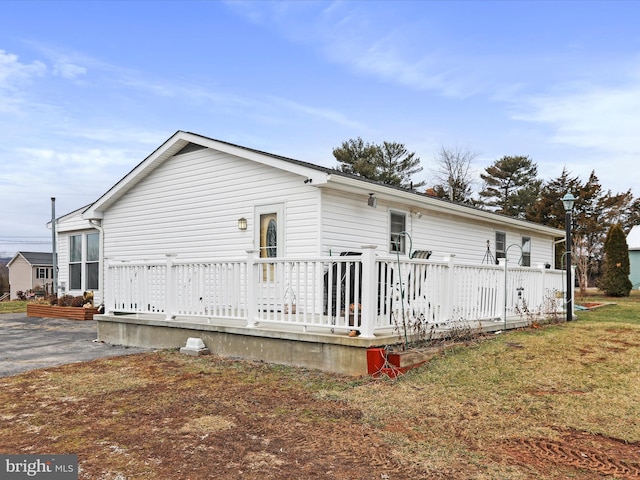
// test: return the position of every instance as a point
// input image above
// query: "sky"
(89, 89)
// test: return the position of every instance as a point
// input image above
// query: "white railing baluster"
(362, 292)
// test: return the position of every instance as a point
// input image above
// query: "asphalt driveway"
(29, 343)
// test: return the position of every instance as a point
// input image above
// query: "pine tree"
(390, 163)
(511, 184)
(615, 276)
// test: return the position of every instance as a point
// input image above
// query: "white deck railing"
(353, 292)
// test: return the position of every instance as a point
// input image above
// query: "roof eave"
(435, 204)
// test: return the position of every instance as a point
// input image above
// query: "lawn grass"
(486, 409)
(14, 306)
(582, 376)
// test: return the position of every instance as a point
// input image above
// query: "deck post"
(170, 288)
(368, 280)
(108, 287)
(252, 293)
(449, 288)
(503, 262)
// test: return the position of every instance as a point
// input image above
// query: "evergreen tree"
(388, 163)
(358, 158)
(548, 209)
(511, 184)
(397, 165)
(615, 270)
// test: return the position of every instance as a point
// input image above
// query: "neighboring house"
(30, 271)
(633, 242)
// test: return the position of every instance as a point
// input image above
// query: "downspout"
(97, 224)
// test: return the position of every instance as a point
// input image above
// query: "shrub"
(65, 300)
(77, 301)
(52, 299)
(615, 267)
(21, 295)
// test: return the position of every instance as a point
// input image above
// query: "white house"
(204, 229)
(190, 195)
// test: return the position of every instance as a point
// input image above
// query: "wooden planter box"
(54, 311)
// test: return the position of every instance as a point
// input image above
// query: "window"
(42, 273)
(75, 262)
(501, 245)
(525, 261)
(397, 230)
(92, 264)
(84, 265)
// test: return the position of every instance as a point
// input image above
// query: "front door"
(269, 242)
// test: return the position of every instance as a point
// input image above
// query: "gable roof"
(633, 239)
(316, 175)
(39, 259)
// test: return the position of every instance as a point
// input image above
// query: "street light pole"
(568, 201)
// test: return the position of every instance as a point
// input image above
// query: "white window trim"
(500, 253)
(83, 261)
(403, 242)
(526, 254)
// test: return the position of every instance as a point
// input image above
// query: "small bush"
(78, 301)
(52, 299)
(65, 300)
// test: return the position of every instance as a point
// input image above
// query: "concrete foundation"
(330, 352)
(336, 353)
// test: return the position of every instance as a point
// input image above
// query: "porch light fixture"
(373, 201)
(567, 201)
(242, 223)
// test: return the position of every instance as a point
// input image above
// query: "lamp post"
(568, 200)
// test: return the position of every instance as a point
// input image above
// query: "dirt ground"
(167, 416)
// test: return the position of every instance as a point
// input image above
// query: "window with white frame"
(42, 273)
(75, 262)
(397, 228)
(92, 265)
(501, 245)
(525, 261)
(84, 265)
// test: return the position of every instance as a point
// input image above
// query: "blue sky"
(89, 89)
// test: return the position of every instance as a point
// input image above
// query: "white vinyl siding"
(190, 205)
(348, 223)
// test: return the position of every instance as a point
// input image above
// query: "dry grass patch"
(552, 403)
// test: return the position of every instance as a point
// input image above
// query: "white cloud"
(68, 70)
(602, 117)
(12, 71)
